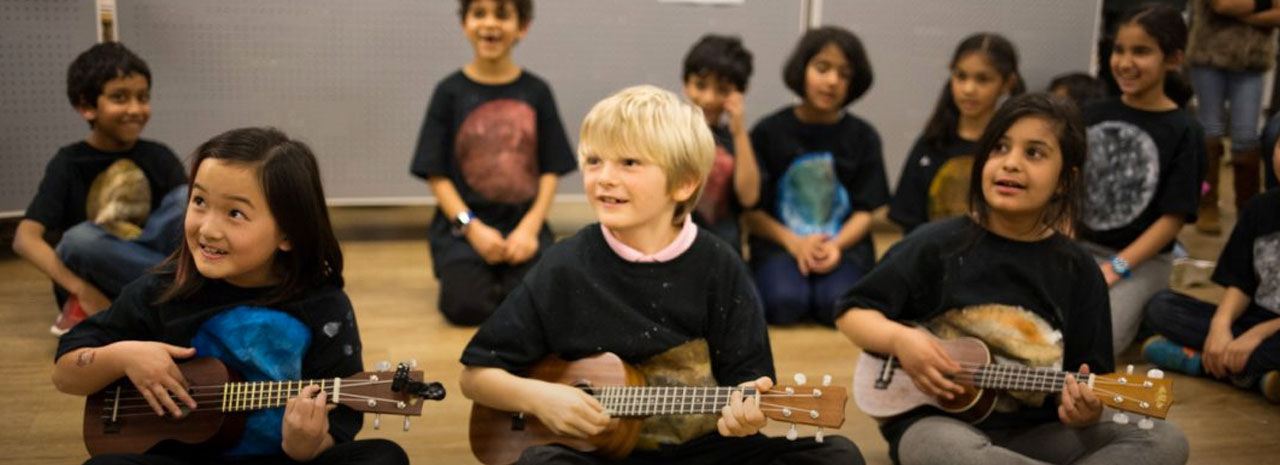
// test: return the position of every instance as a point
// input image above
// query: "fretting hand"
(743, 417)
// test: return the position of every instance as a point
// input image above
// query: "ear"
(684, 191)
(1010, 83)
(1174, 61)
(523, 31)
(87, 112)
(285, 245)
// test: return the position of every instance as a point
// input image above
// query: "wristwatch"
(461, 222)
(1120, 266)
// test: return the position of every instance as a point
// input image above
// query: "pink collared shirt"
(683, 241)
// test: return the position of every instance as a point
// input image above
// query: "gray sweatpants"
(945, 440)
(1129, 296)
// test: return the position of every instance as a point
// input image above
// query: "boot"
(1247, 167)
(1207, 220)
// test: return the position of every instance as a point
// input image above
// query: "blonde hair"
(656, 126)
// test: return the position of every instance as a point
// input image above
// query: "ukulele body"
(900, 395)
(498, 437)
(142, 429)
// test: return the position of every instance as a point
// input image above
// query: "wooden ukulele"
(119, 420)
(882, 389)
(499, 437)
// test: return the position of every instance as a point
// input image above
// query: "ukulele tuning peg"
(383, 365)
(817, 437)
(1146, 423)
(377, 421)
(1120, 419)
(1155, 373)
(406, 423)
(826, 380)
(801, 379)
(1128, 370)
(792, 433)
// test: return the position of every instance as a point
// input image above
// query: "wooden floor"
(389, 281)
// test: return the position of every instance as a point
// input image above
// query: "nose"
(967, 86)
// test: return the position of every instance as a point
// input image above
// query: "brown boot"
(1247, 167)
(1207, 220)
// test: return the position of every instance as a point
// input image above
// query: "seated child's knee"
(80, 240)
(465, 307)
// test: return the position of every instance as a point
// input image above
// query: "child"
(259, 263)
(935, 178)
(715, 77)
(822, 174)
(115, 198)
(1239, 339)
(1145, 165)
(1004, 275)
(1228, 55)
(1082, 89)
(492, 148)
(648, 285)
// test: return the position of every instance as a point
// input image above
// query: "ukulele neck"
(639, 401)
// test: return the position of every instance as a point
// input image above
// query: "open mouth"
(211, 251)
(490, 37)
(1009, 184)
(611, 200)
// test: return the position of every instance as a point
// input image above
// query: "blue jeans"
(790, 297)
(1243, 89)
(110, 263)
(1185, 320)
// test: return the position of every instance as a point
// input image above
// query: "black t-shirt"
(62, 198)
(493, 142)
(581, 298)
(334, 349)
(814, 176)
(955, 264)
(1251, 259)
(1142, 165)
(922, 195)
(718, 208)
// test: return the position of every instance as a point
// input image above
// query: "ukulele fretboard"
(627, 401)
(258, 395)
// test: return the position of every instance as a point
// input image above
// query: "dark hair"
(811, 43)
(524, 9)
(290, 179)
(90, 72)
(1164, 24)
(940, 131)
(723, 56)
(1081, 88)
(1068, 127)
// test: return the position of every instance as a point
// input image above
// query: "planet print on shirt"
(1120, 176)
(496, 149)
(714, 204)
(1266, 262)
(949, 190)
(811, 199)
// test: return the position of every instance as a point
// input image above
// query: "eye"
(723, 90)
(118, 98)
(144, 97)
(821, 66)
(1000, 148)
(631, 162)
(591, 160)
(237, 214)
(197, 200)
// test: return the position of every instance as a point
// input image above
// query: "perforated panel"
(910, 43)
(38, 39)
(353, 78)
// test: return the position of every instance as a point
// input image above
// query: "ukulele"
(499, 437)
(119, 420)
(882, 389)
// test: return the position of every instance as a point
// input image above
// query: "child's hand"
(802, 249)
(929, 366)
(1079, 407)
(1214, 357)
(1239, 350)
(743, 417)
(91, 299)
(306, 424)
(734, 107)
(825, 258)
(568, 411)
(1111, 276)
(149, 365)
(520, 247)
(487, 241)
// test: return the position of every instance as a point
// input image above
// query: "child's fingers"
(1067, 405)
(752, 413)
(162, 393)
(151, 400)
(730, 423)
(178, 385)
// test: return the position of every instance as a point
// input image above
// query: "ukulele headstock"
(399, 392)
(821, 406)
(1150, 395)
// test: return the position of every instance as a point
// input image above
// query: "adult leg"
(1210, 84)
(1103, 443)
(106, 261)
(945, 440)
(783, 289)
(1245, 91)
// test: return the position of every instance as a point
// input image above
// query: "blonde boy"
(645, 284)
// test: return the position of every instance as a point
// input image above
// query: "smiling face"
(630, 194)
(976, 86)
(826, 79)
(229, 228)
(709, 92)
(493, 27)
(1138, 64)
(1021, 174)
(122, 111)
